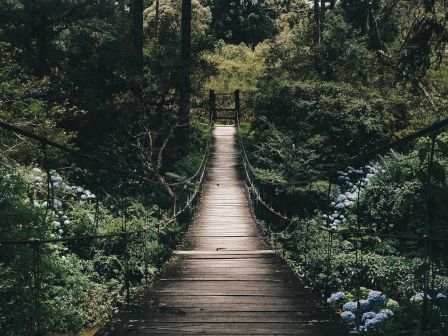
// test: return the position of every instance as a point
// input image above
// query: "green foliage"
(334, 120)
(19, 220)
(238, 67)
(82, 280)
(162, 33)
(242, 21)
(23, 102)
(394, 199)
(275, 155)
(167, 29)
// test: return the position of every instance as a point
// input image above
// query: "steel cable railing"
(125, 235)
(200, 168)
(250, 176)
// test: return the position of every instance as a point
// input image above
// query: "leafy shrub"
(82, 281)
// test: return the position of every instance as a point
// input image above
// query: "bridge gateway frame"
(224, 107)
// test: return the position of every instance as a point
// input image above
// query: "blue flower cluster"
(371, 320)
(348, 316)
(350, 306)
(352, 183)
(336, 297)
(65, 197)
(376, 309)
(376, 298)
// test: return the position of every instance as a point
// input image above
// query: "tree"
(162, 29)
(238, 67)
(247, 21)
(33, 26)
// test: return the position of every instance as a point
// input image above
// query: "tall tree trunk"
(332, 4)
(137, 30)
(367, 22)
(185, 83)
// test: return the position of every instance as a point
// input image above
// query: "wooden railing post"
(212, 106)
(237, 106)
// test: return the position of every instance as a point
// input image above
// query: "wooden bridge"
(224, 279)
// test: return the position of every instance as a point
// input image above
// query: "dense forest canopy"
(127, 81)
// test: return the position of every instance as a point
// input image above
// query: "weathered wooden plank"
(218, 328)
(226, 254)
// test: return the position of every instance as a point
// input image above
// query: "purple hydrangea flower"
(381, 316)
(373, 323)
(336, 297)
(348, 316)
(368, 316)
(350, 306)
(376, 298)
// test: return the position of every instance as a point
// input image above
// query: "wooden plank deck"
(224, 279)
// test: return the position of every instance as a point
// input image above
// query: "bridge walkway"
(224, 279)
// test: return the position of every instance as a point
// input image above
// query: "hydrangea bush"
(344, 197)
(371, 313)
(65, 203)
